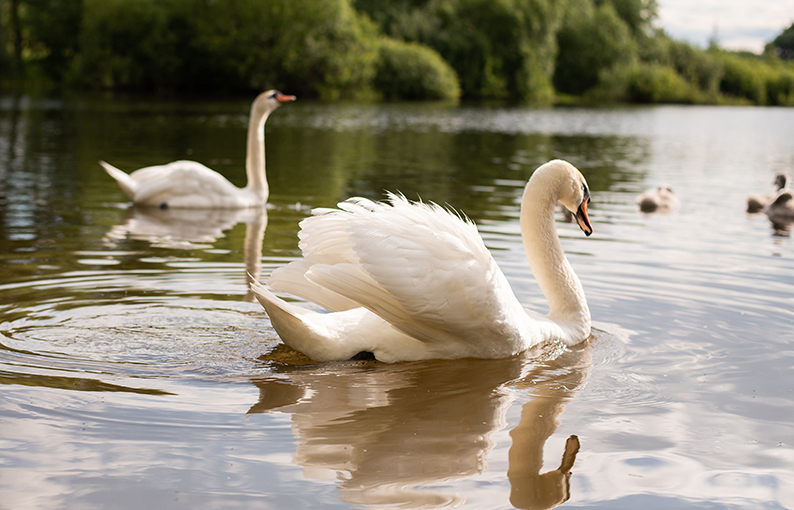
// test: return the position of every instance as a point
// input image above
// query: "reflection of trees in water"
(389, 432)
(484, 173)
(606, 161)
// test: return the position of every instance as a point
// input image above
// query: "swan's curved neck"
(554, 274)
(255, 155)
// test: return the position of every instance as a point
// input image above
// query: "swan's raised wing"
(324, 239)
(420, 267)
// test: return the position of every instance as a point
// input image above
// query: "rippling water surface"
(137, 372)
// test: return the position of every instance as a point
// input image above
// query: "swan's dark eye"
(274, 94)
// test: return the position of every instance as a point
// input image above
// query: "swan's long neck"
(255, 155)
(554, 274)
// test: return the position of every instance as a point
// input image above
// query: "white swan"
(409, 281)
(659, 199)
(191, 185)
(756, 203)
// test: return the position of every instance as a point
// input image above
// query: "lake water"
(138, 373)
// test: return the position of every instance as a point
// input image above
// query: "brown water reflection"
(392, 434)
(190, 229)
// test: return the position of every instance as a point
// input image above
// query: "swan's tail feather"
(272, 304)
(285, 319)
(292, 278)
(127, 183)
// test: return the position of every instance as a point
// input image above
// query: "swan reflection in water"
(195, 229)
(389, 433)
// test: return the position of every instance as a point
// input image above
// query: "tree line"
(538, 51)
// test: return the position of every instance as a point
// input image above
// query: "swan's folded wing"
(292, 278)
(324, 240)
(181, 181)
(424, 270)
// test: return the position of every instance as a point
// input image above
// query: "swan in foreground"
(410, 281)
(191, 185)
(659, 199)
(756, 203)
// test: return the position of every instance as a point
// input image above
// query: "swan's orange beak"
(582, 219)
(283, 98)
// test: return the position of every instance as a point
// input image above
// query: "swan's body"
(780, 209)
(409, 281)
(756, 203)
(191, 185)
(659, 199)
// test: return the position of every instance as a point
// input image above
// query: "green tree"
(53, 30)
(591, 42)
(312, 48)
(638, 15)
(784, 44)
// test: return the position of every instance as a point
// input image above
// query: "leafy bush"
(413, 71)
(643, 83)
(757, 80)
(742, 78)
(697, 66)
(780, 86)
(499, 48)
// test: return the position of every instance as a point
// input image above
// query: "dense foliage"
(783, 44)
(407, 70)
(538, 51)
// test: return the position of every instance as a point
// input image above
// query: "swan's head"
(270, 100)
(574, 193)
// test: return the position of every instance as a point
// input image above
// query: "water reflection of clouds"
(398, 434)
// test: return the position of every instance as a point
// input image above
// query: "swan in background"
(410, 281)
(191, 185)
(659, 199)
(756, 203)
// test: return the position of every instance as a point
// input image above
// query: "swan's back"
(188, 184)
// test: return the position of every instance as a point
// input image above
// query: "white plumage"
(409, 281)
(191, 185)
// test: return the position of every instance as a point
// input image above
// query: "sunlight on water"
(137, 370)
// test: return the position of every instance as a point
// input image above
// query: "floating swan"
(756, 203)
(780, 209)
(410, 281)
(659, 199)
(191, 185)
